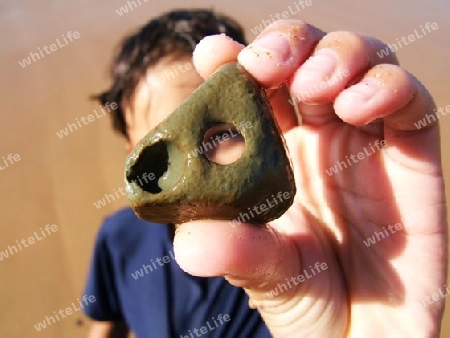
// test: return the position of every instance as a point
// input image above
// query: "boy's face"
(157, 96)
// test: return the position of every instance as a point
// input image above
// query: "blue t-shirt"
(135, 278)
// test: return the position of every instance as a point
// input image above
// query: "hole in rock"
(223, 144)
(151, 165)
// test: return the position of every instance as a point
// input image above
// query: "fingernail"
(318, 68)
(273, 45)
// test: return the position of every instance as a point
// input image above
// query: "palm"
(334, 215)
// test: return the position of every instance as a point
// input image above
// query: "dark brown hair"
(175, 32)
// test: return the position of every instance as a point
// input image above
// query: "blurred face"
(166, 85)
(158, 94)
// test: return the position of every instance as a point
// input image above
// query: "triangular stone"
(166, 183)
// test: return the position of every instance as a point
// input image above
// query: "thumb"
(250, 256)
(292, 294)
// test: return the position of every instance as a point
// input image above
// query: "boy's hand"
(362, 251)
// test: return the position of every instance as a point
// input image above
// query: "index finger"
(293, 40)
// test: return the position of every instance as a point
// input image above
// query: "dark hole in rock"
(151, 165)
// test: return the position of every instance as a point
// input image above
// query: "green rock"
(167, 181)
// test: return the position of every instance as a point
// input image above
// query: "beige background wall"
(57, 180)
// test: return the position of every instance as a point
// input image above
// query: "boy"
(137, 284)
